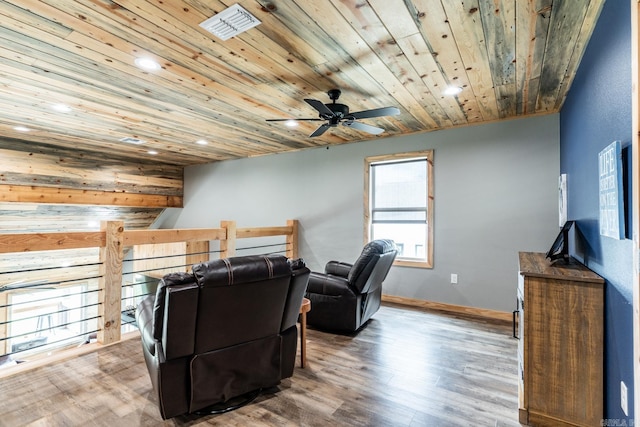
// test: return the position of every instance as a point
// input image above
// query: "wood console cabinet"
(561, 337)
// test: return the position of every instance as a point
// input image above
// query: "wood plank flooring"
(407, 367)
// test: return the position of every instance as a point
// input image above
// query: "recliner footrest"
(215, 375)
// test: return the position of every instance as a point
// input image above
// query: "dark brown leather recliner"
(346, 295)
(223, 331)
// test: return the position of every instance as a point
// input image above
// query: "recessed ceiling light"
(291, 123)
(152, 152)
(230, 22)
(61, 108)
(202, 142)
(147, 64)
(452, 90)
(21, 128)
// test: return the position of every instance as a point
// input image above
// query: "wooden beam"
(228, 244)
(244, 233)
(156, 260)
(31, 242)
(36, 194)
(111, 256)
(292, 239)
(141, 237)
(197, 252)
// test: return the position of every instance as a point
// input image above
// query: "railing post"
(292, 239)
(111, 256)
(197, 252)
(228, 245)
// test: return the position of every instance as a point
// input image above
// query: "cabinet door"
(564, 355)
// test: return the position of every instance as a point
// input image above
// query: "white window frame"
(427, 262)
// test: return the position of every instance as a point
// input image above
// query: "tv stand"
(561, 338)
(561, 261)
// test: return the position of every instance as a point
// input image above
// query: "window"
(45, 317)
(399, 204)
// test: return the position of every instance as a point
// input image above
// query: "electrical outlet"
(454, 278)
(623, 398)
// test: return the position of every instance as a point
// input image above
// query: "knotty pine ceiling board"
(510, 58)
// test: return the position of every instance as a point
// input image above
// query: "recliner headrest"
(370, 250)
(238, 270)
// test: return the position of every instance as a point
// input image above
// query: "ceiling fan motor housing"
(339, 111)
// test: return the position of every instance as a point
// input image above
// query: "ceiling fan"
(335, 114)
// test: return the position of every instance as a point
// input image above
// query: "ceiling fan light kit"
(338, 114)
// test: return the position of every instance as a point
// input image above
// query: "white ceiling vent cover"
(230, 22)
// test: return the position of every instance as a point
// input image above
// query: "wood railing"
(112, 241)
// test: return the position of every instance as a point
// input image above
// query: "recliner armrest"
(327, 284)
(179, 327)
(338, 268)
(144, 320)
(297, 289)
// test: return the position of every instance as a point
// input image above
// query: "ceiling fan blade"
(295, 120)
(363, 127)
(377, 112)
(322, 129)
(318, 105)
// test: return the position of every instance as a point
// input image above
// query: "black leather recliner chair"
(223, 331)
(346, 295)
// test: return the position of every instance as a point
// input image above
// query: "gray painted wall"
(495, 194)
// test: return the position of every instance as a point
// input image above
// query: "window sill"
(414, 264)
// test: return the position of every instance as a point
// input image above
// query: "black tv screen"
(560, 247)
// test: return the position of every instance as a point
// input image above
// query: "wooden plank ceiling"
(510, 58)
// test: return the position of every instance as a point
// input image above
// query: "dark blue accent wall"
(596, 112)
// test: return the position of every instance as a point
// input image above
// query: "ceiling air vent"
(130, 140)
(230, 22)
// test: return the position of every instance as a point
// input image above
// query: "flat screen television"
(560, 247)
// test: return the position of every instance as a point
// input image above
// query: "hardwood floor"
(407, 367)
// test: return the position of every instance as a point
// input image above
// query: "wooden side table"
(304, 309)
